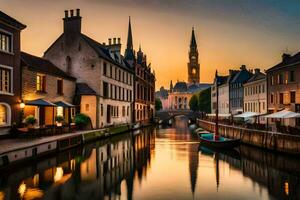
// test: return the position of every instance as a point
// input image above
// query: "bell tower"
(193, 65)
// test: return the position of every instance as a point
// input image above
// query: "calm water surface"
(165, 163)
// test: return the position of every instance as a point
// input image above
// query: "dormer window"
(5, 42)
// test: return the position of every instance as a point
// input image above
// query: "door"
(108, 114)
(42, 116)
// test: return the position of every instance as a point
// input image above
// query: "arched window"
(5, 114)
(68, 64)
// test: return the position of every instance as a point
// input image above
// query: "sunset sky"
(229, 32)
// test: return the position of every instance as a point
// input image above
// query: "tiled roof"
(84, 89)
(242, 76)
(256, 77)
(289, 61)
(104, 53)
(11, 21)
(42, 65)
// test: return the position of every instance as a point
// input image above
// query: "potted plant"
(30, 121)
(59, 120)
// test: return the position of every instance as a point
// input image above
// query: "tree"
(194, 103)
(204, 102)
(158, 104)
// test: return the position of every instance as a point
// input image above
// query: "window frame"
(11, 41)
(11, 93)
(8, 114)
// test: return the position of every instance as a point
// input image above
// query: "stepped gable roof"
(43, 65)
(84, 89)
(257, 76)
(11, 21)
(180, 87)
(289, 61)
(104, 53)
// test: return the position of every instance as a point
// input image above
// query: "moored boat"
(209, 139)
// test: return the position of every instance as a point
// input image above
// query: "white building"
(224, 98)
(255, 93)
(104, 79)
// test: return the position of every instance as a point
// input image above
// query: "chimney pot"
(66, 14)
(119, 40)
(72, 13)
(109, 41)
(257, 70)
(285, 57)
(78, 12)
(114, 40)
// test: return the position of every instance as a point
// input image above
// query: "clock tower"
(193, 65)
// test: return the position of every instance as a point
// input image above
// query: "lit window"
(41, 83)
(5, 80)
(5, 42)
(60, 111)
(3, 115)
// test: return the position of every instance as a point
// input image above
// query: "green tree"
(204, 101)
(158, 104)
(194, 103)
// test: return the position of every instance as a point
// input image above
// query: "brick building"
(104, 78)
(10, 76)
(46, 90)
(144, 82)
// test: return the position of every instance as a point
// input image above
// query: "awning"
(39, 102)
(63, 104)
(284, 114)
(247, 115)
(220, 115)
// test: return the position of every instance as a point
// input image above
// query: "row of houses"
(76, 74)
(247, 90)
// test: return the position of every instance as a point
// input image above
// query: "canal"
(154, 163)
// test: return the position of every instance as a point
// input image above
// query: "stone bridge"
(166, 115)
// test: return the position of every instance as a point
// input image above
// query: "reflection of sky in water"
(155, 164)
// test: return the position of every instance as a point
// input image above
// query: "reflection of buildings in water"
(193, 165)
(181, 123)
(96, 175)
(279, 173)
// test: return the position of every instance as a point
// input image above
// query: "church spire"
(129, 54)
(193, 39)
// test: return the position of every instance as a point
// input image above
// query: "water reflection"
(155, 164)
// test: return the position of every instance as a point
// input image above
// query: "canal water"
(154, 164)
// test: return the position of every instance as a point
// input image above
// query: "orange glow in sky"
(228, 35)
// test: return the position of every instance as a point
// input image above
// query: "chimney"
(109, 41)
(257, 70)
(119, 40)
(285, 57)
(114, 40)
(66, 14)
(72, 24)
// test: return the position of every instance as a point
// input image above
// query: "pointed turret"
(129, 53)
(193, 40)
(140, 55)
(171, 87)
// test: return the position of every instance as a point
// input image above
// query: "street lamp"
(22, 105)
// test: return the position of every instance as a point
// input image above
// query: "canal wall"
(263, 139)
(16, 150)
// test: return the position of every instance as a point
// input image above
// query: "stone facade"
(283, 87)
(99, 66)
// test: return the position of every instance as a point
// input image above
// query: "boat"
(210, 140)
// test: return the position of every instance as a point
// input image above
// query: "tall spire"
(129, 54)
(193, 39)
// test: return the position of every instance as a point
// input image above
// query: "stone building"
(179, 96)
(46, 90)
(144, 82)
(255, 93)
(104, 78)
(10, 87)
(283, 86)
